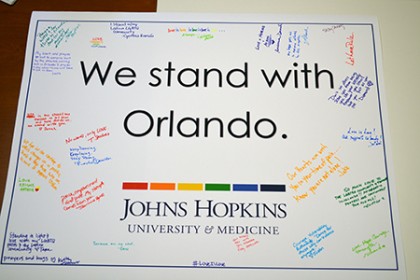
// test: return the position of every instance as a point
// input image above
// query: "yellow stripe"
(190, 187)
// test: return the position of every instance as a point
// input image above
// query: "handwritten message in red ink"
(41, 162)
(350, 51)
(46, 122)
(243, 242)
(84, 196)
(306, 178)
(90, 136)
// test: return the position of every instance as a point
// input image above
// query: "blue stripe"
(245, 187)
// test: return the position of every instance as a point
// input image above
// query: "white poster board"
(202, 145)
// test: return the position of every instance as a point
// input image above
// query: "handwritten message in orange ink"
(41, 162)
(306, 178)
(90, 136)
(84, 196)
(243, 242)
(47, 122)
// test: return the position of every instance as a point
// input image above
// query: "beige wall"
(399, 23)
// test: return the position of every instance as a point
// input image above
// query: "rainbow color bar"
(155, 186)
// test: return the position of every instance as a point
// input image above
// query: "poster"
(164, 144)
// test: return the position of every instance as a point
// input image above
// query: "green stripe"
(217, 187)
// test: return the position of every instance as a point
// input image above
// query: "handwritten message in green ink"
(55, 35)
(366, 194)
(370, 246)
(25, 185)
(122, 246)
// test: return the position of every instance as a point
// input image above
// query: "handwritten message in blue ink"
(30, 242)
(365, 135)
(295, 42)
(64, 260)
(34, 246)
(40, 259)
(363, 195)
(55, 35)
(269, 36)
(52, 62)
(352, 91)
(309, 246)
(209, 264)
(22, 258)
(86, 156)
(128, 30)
(371, 245)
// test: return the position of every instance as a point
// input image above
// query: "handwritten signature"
(350, 46)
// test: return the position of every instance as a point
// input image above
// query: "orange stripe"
(162, 186)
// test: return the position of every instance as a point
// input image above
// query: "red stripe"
(134, 186)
